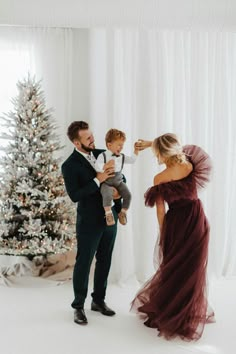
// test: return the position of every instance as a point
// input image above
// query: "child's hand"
(136, 148)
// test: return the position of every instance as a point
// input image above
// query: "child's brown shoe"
(122, 218)
(110, 219)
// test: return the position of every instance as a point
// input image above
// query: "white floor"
(35, 317)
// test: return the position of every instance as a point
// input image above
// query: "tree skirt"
(56, 268)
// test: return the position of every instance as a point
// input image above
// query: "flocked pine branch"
(36, 216)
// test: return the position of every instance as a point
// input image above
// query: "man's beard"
(87, 148)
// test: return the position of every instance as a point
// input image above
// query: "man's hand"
(109, 164)
(108, 172)
(115, 194)
(142, 144)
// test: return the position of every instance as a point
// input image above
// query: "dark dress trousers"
(94, 237)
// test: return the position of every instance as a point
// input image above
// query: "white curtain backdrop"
(145, 82)
(57, 56)
(148, 82)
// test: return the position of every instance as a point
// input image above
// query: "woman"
(174, 300)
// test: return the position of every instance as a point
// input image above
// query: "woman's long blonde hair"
(169, 148)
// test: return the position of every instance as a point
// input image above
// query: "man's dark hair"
(74, 129)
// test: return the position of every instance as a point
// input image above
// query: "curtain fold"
(148, 82)
(145, 82)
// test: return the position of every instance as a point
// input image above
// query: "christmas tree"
(36, 216)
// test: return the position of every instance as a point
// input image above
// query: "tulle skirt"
(174, 300)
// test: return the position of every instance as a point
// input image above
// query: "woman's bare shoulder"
(162, 177)
(173, 173)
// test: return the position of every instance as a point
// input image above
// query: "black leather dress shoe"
(103, 308)
(80, 317)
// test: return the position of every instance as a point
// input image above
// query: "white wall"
(187, 14)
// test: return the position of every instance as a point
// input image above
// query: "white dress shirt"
(99, 164)
(91, 159)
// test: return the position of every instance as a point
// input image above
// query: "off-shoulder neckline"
(177, 180)
(174, 180)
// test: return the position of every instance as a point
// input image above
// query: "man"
(94, 237)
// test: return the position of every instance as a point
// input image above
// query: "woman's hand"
(142, 144)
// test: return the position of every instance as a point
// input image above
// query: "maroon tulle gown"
(174, 300)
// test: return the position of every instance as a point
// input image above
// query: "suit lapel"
(82, 160)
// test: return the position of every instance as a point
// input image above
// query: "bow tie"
(115, 155)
